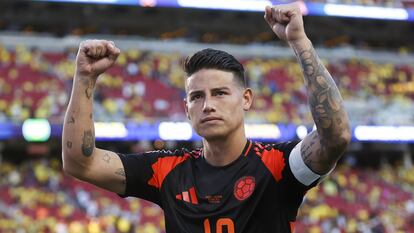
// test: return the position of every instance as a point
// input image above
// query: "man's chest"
(204, 189)
(243, 197)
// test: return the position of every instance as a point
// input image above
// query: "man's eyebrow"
(213, 89)
(195, 92)
(220, 89)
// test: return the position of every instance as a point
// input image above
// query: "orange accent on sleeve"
(274, 161)
(292, 227)
(193, 196)
(163, 167)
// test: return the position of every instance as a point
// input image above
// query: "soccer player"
(231, 184)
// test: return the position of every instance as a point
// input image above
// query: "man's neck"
(221, 152)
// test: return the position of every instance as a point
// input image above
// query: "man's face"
(215, 103)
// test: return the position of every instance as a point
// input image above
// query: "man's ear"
(247, 99)
(186, 108)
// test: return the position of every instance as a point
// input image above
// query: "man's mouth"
(209, 119)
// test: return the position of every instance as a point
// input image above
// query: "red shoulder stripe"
(163, 167)
(274, 161)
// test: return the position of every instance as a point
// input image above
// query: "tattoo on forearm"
(106, 157)
(326, 106)
(90, 116)
(69, 144)
(324, 98)
(88, 143)
(120, 172)
(89, 90)
(309, 65)
(89, 84)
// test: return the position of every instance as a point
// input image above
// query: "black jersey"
(257, 193)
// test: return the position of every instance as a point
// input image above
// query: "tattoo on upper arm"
(308, 149)
(69, 144)
(120, 172)
(71, 120)
(88, 143)
(106, 157)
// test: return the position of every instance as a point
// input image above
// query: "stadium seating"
(383, 3)
(148, 86)
(361, 200)
(37, 197)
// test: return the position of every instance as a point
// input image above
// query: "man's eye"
(195, 97)
(221, 93)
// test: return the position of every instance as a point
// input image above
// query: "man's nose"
(208, 105)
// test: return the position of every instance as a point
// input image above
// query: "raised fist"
(286, 21)
(95, 57)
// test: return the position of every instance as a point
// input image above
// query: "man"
(231, 184)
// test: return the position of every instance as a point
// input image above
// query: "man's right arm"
(81, 158)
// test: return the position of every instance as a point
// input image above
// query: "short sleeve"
(292, 189)
(296, 174)
(138, 173)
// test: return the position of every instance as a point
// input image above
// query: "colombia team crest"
(244, 187)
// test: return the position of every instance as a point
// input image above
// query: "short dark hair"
(214, 59)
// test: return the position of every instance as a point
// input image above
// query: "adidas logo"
(188, 196)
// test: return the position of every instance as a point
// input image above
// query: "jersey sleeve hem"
(125, 194)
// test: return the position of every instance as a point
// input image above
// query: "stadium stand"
(382, 3)
(37, 197)
(148, 85)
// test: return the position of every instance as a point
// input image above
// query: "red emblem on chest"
(244, 187)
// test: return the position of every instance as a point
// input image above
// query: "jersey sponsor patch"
(214, 199)
(244, 187)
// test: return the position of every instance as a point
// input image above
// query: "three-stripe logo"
(188, 196)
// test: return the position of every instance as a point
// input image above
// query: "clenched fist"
(286, 21)
(95, 57)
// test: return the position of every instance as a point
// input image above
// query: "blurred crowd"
(361, 200)
(382, 3)
(35, 196)
(149, 86)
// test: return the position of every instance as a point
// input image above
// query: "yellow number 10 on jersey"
(221, 223)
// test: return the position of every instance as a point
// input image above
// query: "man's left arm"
(321, 149)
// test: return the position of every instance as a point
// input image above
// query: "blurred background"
(367, 45)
